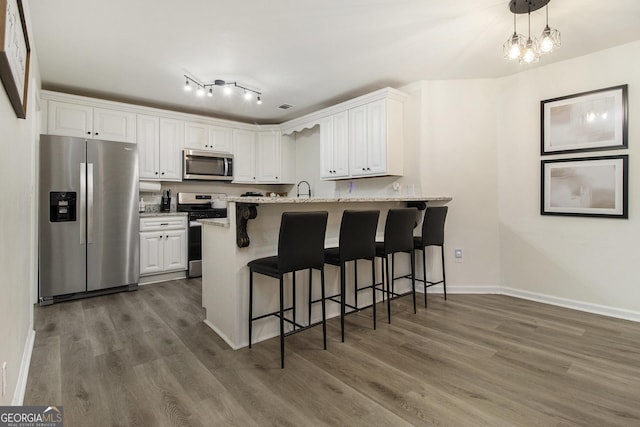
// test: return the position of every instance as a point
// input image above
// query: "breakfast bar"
(251, 231)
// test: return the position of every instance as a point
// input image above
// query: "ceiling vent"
(285, 106)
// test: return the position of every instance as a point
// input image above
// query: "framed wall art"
(588, 121)
(15, 53)
(589, 186)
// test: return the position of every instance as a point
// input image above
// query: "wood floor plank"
(146, 358)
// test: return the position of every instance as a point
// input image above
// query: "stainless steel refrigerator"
(89, 222)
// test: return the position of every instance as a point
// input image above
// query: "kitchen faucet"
(308, 186)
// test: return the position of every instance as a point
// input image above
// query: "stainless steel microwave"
(206, 165)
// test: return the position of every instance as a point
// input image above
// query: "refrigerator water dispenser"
(62, 206)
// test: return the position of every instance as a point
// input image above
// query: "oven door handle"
(194, 224)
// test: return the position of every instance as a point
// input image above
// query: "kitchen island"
(251, 231)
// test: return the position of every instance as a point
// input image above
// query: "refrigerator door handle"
(89, 203)
(83, 203)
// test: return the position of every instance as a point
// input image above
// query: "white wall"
(17, 221)
(442, 158)
(590, 260)
(456, 155)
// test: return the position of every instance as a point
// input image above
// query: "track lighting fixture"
(227, 88)
(529, 51)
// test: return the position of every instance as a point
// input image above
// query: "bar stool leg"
(444, 281)
(282, 322)
(250, 304)
(342, 297)
(424, 273)
(324, 313)
(309, 305)
(355, 282)
(413, 279)
(373, 289)
(386, 258)
(393, 273)
(294, 300)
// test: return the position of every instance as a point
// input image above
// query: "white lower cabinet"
(163, 244)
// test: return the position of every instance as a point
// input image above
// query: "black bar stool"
(357, 241)
(398, 237)
(300, 247)
(432, 235)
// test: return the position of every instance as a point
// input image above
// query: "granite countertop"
(415, 198)
(220, 222)
(152, 214)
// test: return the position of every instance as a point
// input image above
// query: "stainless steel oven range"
(199, 206)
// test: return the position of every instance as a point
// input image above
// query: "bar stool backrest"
(398, 230)
(358, 234)
(433, 226)
(301, 241)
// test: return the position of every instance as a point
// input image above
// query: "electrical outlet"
(4, 378)
(458, 255)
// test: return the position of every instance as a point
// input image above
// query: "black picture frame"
(589, 121)
(15, 55)
(585, 186)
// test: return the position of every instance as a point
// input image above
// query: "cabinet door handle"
(96, 133)
(162, 173)
(164, 223)
(363, 169)
(88, 133)
(166, 237)
(156, 172)
(368, 169)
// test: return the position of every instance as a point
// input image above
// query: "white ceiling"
(307, 53)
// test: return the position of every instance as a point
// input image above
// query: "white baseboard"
(604, 310)
(223, 335)
(163, 277)
(21, 385)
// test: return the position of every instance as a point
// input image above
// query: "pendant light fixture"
(550, 37)
(227, 88)
(514, 47)
(528, 51)
(531, 53)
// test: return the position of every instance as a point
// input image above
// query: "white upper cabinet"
(220, 139)
(367, 133)
(84, 121)
(148, 136)
(70, 120)
(263, 157)
(268, 159)
(171, 146)
(160, 143)
(362, 137)
(334, 146)
(244, 156)
(203, 136)
(196, 135)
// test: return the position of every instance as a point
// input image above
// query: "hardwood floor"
(146, 359)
